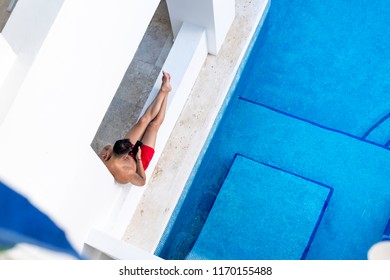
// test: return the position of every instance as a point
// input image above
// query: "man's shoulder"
(105, 153)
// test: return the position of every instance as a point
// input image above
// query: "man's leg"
(150, 135)
(138, 130)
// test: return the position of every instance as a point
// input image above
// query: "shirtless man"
(120, 159)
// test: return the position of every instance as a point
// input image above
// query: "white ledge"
(98, 242)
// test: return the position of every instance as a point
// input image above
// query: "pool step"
(380, 132)
(262, 212)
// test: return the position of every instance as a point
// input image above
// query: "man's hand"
(139, 177)
(106, 153)
(139, 153)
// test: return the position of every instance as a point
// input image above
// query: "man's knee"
(144, 120)
(155, 125)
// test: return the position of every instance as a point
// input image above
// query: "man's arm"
(139, 178)
(106, 153)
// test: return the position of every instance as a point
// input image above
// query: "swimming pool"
(312, 100)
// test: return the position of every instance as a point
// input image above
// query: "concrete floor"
(138, 80)
(4, 15)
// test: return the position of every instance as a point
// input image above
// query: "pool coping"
(185, 145)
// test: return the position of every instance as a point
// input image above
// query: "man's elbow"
(139, 183)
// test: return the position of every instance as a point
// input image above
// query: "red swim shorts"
(147, 153)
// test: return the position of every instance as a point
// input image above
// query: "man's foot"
(166, 82)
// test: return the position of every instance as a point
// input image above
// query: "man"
(128, 159)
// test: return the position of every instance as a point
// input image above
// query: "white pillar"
(7, 58)
(215, 16)
(25, 33)
(29, 25)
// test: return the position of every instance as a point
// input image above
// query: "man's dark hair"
(122, 146)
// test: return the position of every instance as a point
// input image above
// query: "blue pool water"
(312, 100)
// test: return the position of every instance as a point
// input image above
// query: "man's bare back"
(125, 166)
(122, 168)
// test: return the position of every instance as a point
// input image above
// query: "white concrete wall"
(7, 59)
(224, 13)
(45, 137)
(98, 243)
(29, 25)
(25, 32)
(215, 16)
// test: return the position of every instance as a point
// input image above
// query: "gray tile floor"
(138, 80)
(4, 15)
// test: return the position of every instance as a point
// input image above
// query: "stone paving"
(4, 14)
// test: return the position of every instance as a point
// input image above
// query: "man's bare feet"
(166, 82)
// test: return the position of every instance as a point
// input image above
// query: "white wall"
(215, 16)
(25, 32)
(224, 13)
(29, 24)
(45, 137)
(7, 58)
